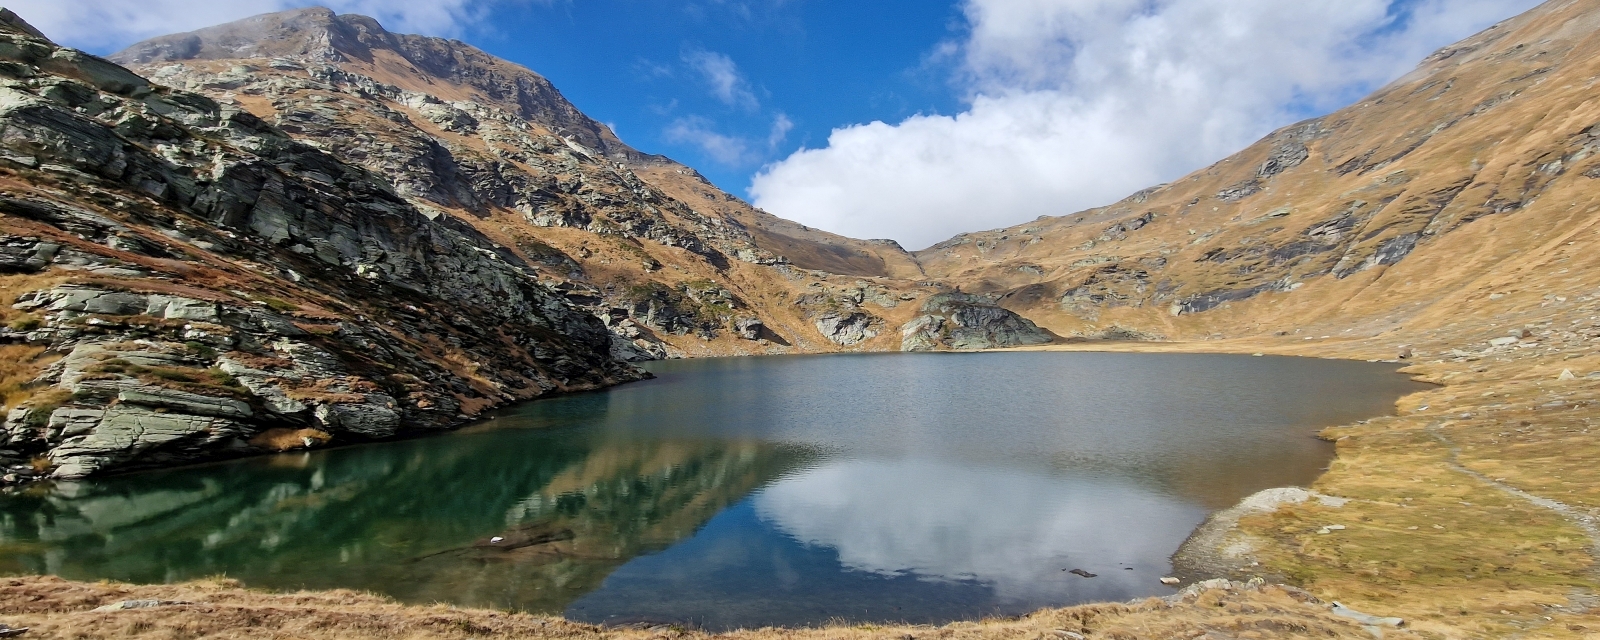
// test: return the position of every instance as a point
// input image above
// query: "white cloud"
(107, 25)
(781, 126)
(722, 75)
(733, 151)
(725, 149)
(1076, 103)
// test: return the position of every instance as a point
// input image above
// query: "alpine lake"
(747, 492)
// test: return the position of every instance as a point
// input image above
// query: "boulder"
(749, 328)
(848, 328)
(925, 333)
(375, 418)
(124, 433)
(967, 322)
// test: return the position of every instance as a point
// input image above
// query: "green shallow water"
(747, 492)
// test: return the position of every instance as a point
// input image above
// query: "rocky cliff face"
(318, 36)
(201, 284)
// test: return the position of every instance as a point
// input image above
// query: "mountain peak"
(10, 21)
(450, 69)
(310, 32)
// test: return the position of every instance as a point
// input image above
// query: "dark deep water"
(748, 491)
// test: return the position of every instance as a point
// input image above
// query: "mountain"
(1468, 180)
(1440, 193)
(676, 265)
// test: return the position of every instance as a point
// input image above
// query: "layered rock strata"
(213, 287)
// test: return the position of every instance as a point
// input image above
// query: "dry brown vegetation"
(219, 609)
(18, 367)
(284, 439)
(332, 391)
(1471, 513)
(20, 364)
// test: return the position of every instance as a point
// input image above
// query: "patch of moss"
(26, 323)
(279, 305)
(201, 349)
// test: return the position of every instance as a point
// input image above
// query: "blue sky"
(640, 65)
(911, 120)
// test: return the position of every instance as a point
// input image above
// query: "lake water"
(747, 492)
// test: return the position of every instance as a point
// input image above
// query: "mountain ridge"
(419, 63)
(410, 61)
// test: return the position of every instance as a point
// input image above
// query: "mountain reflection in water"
(746, 492)
(406, 519)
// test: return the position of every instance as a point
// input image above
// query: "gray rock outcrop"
(216, 288)
(848, 328)
(967, 322)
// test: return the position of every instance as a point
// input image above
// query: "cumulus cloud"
(1076, 103)
(723, 77)
(107, 25)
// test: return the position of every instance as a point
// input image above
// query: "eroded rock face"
(848, 328)
(212, 282)
(967, 322)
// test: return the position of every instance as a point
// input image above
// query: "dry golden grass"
(1436, 530)
(218, 609)
(284, 439)
(1434, 533)
(19, 365)
(323, 390)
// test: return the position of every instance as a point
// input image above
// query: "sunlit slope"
(1472, 176)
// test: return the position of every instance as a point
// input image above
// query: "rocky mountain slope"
(1467, 181)
(673, 264)
(183, 280)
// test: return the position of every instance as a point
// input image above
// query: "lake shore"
(1472, 512)
(1467, 514)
